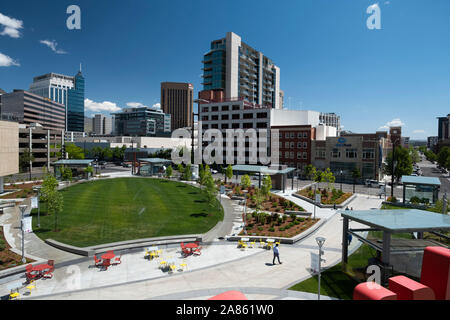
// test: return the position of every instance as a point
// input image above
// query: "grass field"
(121, 209)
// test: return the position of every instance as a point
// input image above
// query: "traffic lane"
(429, 171)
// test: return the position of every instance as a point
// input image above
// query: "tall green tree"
(443, 156)
(49, 185)
(66, 174)
(55, 203)
(187, 175)
(266, 186)
(25, 159)
(415, 157)
(403, 163)
(211, 188)
(169, 171)
(74, 152)
(356, 174)
(228, 173)
(318, 177)
(245, 182)
(328, 177)
(309, 171)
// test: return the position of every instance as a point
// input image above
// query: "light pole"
(22, 208)
(341, 179)
(38, 189)
(320, 242)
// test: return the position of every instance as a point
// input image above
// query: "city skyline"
(330, 61)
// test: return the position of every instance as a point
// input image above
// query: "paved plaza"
(221, 266)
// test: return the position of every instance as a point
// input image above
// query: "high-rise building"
(30, 108)
(88, 125)
(443, 132)
(66, 90)
(232, 69)
(177, 99)
(102, 125)
(143, 121)
(331, 119)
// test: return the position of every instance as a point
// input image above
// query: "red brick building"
(295, 145)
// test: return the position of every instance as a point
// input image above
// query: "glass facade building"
(75, 105)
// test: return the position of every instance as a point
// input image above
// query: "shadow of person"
(269, 264)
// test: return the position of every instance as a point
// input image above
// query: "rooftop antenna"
(80, 66)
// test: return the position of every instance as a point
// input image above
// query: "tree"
(211, 188)
(259, 198)
(266, 186)
(49, 185)
(55, 203)
(74, 152)
(66, 174)
(201, 174)
(180, 168)
(356, 174)
(403, 163)
(328, 176)
(25, 160)
(89, 171)
(228, 173)
(414, 155)
(309, 171)
(443, 156)
(187, 175)
(245, 182)
(318, 176)
(169, 171)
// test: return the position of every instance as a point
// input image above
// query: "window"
(299, 145)
(286, 145)
(215, 126)
(320, 153)
(216, 117)
(236, 107)
(205, 118)
(205, 109)
(261, 125)
(292, 135)
(305, 155)
(292, 155)
(305, 145)
(248, 115)
(299, 135)
(368, 154)
(305, 134)
(248, 125)
(335, 153)
(351, 153)
(287, 135)
(224, 125)
(225, 108)
(292, 145)
(235, 116)
(235, 126)
(261, 115)
(205, 126)
(214, 109)
(299, 155)
(225, 117)
(286, 155)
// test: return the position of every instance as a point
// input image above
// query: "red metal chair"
(117, 260)
(105, 264)
(197, 251)
(98, 262)
(29, 273)
(185, 252)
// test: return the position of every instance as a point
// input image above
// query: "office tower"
(143, 121)
(232, 69)
(66, 90)
(331, 119)
(30, 108)
(177, 99)
(88, 125)
(102, 125)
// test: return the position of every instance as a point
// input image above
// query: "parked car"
(214, 171)
(373, 183)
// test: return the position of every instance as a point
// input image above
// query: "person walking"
(276, 254)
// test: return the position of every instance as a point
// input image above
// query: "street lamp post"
(320, 242)
(38, 189)
(341, 179)
(22, 208)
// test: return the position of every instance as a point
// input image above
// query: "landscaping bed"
(23, 190)
(327, 197)
(273, 203)
(275, 225)
(8, 259)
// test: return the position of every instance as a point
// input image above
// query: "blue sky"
(330, 61)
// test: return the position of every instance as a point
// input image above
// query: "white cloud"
(6, 61)
(141, 105)
(11, 25)
(393, 123)
(419, 131)
(52, 45)
(105, 106)
(387, 2)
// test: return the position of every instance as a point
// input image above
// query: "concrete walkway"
(221, 267)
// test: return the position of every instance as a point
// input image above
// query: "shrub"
(293, 216)
(260, 228)
(279, 220)
(284, 217)
(301, 219)
(415, 200)
(425, 200)
(296, 222)
(248, 227)
(282, 229)
(392, 199)
(277, 209)
(271, 229)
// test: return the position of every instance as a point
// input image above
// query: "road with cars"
(430, 170)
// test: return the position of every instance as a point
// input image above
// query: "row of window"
(236, 116)
(300, 155)
(293, 135)
(223, 108)
(291, 145)
(352, 153)
(248, 125)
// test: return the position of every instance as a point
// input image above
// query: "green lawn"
(111, 210)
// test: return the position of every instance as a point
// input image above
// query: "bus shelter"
(279, 174)
(152, 166)
(391, 222)
(424, 189)
(76, 165)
